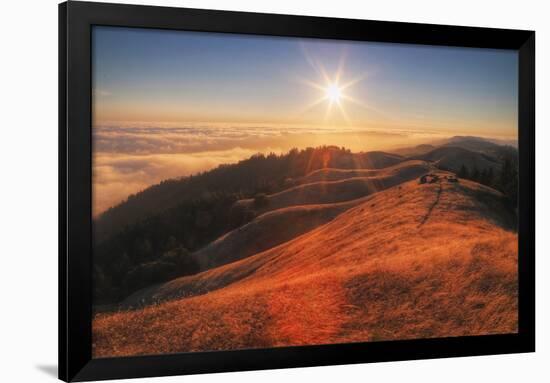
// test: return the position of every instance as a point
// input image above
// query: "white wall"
(28, 191)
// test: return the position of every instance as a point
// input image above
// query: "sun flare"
(333, 93)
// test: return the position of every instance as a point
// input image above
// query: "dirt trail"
(433, 205)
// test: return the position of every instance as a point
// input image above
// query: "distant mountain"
(414, 150)
(492, 147)
(454, 157)
(476, 144)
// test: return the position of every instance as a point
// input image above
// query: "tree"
(260, 200)
(463, 172)
(490, 178)
(483, 176)
(505, 174)
(475, 174)
(143, 250)
(508, 182)
(171, 243)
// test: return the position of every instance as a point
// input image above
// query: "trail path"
(434, 204)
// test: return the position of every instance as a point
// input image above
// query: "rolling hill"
(307, 206)
(268, 230)
(412, 261)
(158, 234)
(337, 185)
(405, 169)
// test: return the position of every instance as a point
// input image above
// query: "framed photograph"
(246, 191)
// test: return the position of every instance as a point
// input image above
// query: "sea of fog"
(128, 157)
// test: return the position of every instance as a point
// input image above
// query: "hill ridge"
(432, 197)
(390, 278)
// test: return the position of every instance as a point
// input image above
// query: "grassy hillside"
(413, 261)
(268, 230)
(156, 235)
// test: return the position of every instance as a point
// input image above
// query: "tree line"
(506, 180)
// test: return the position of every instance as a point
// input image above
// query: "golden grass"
(383, 270)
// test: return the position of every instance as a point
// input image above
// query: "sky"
(174, 76)
(171, 103)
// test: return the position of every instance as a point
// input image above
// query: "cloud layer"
(129, 158)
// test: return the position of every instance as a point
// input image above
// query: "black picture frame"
(75, 155)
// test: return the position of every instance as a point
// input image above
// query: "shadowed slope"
(268, 230)
(452, 158)
(413, 261)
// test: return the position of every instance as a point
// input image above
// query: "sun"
(333, 93)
